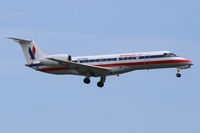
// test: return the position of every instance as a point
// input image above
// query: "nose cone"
(191, 63)
(188, 62)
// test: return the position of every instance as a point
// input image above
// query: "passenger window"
(141, 57)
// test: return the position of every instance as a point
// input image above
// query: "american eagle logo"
(32, 53)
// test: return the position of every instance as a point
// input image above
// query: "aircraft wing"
(84, 69)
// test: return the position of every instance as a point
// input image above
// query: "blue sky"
(151, 101)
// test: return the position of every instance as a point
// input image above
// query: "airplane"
(99, 65)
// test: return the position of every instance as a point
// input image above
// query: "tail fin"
(31, 51)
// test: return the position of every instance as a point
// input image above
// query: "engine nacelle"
(64, 57)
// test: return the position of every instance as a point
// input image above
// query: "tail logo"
(32, 53)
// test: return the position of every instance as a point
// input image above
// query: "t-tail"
(31, 51)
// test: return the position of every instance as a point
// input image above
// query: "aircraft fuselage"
(121, 63)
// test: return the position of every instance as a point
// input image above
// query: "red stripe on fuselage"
(120, 64)
(145, 63)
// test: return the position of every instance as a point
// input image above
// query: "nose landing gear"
(178, 73)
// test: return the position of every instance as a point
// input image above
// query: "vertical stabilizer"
(31, 51)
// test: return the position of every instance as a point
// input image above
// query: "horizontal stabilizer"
(21, 41)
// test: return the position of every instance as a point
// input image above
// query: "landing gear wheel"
(178, 75)
(86, 80)
(100, 84)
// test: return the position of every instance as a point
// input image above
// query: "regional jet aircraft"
(101, 65)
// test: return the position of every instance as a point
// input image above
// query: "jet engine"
(63, 57)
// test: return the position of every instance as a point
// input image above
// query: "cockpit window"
(166, 54)
(170, 54)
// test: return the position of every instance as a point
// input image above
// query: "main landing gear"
(178, 73)
(86, 80)
(99, 84)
